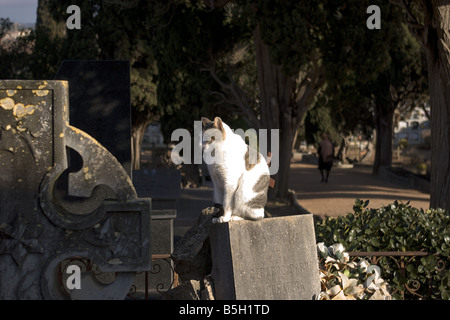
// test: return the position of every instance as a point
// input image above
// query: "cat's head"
(213, 130)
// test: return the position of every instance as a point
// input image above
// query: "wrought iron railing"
(397, 262)
(145, 290)
(159, 263)
(410, 288)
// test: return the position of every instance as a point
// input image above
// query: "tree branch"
(235, 96)
(223, 97)
(214, 4)
(308, 88)
(407, 8)
(416, 27)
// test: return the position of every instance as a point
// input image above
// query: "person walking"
(326, 155)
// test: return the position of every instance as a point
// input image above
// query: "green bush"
(398, 227)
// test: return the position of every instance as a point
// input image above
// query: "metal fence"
(150, 289)
(400, 263)
(403, 263)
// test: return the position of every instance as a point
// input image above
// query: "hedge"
(398, 227)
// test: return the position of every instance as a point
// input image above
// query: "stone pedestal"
(274, 258)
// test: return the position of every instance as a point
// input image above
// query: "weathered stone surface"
(50, 211)
(273, 258)
(94, 290)
(192, 252)
(208, 289)
(189, 290)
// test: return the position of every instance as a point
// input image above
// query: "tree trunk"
(283, 103)
(434, 33)
(341, 153)
(440, 137)
(384, 122)
(287, 135)
(275, 98)
(140, 121)
(437, 44)
(439, 84)
(138, 136)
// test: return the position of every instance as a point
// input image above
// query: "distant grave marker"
(163, 186)
(99, 97)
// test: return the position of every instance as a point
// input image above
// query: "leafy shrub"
(398, 227)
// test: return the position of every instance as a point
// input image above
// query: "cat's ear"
(219, 125)
(205, 121)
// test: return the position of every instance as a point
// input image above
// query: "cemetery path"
(334, 198)
(337, 197)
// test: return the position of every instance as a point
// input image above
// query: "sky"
(22, 11)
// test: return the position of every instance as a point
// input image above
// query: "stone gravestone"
(99, 98)
(52, 213)
(274, 258)
(163, 186)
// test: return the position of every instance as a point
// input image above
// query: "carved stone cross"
(51, 212)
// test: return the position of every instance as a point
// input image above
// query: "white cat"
(240, 174)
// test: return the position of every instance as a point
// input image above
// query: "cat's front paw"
(221, 219)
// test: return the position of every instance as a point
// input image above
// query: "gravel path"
(345, 185)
